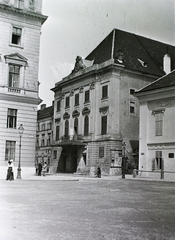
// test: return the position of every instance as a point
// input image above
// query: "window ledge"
(16, 45)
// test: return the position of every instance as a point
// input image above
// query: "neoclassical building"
(157, 128)
(96, 114)
(20, 30)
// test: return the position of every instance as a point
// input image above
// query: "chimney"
(43, 106)
(167, 63)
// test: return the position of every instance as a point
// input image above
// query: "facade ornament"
(62, 95)
(86, 111)
(66, 115)
(104, 110)
(79, 65)
(71, 92)
(92, 85)
(81, 89)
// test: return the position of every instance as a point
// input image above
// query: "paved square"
(87, 209)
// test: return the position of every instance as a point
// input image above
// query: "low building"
(96, 115)
(157, 128)
(44, 135)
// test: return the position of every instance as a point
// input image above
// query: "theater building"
(96, 114)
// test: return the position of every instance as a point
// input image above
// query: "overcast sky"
(76, 27)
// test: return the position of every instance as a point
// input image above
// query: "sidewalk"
(79, 177)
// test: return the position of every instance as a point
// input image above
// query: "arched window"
(66, 128)
(86, 126)
(76, 125)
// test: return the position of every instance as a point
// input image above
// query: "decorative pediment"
(16, 58)
(66, 115)
(75, 114)
(104, 110)
(85, 111)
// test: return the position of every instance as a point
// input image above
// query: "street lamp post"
(123, 160)
(20, 129)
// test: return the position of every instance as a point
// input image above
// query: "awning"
(71, 143)
(134, 145)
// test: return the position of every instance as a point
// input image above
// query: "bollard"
(134, 173)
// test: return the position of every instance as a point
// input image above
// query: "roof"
(163, 82)
(45, 113)
(134, 52)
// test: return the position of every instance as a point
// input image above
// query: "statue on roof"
(78, 65)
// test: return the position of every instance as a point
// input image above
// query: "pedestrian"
(40, 168)
(98, 172)
(10, 170)
(44, 169)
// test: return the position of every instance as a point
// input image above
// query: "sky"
(76, 27)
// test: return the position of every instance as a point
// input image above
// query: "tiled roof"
(44, 113)
(138, 53)
(163, 82)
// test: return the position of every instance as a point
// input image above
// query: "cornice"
(21, 99)
(23, 12)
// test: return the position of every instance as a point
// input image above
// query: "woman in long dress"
(10, 170)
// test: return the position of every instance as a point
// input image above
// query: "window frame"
(86, 125)
(158, 124)
(104, 124)
(67, 102)
(10, 150)
(57, 132)
(104, 91)
(101, 152)
(12, 118)
(87, 96)
(77, 99)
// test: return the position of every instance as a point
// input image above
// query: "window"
(159, 159)
(76, 99)
(55, 154)
(101, 152)
(171, 155)
(58, 106)
(37, 141)
(42, 127)
(103, 125)
(87, 96)
(132, 107)
(14, 74)
(49, 140)
(20, 4)
(16, 36)
(66, 128)
(76, 125)
(159, 124)
(132, 91)
(49, 126)
(86, 126)
(37, 127)
(57, 132)
(11, 118)
(67, 102)
(10, 150)
(105, 91)
(43, 140)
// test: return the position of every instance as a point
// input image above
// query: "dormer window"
(16, 36)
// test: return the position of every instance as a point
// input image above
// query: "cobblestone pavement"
(86, 209)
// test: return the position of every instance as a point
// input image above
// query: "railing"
(15, 90)
(161, 172)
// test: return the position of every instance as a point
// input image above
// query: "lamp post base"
(19, 173)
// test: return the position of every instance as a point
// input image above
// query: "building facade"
(44, 135)
(157, 128)
(20, 29)
(96, 115)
